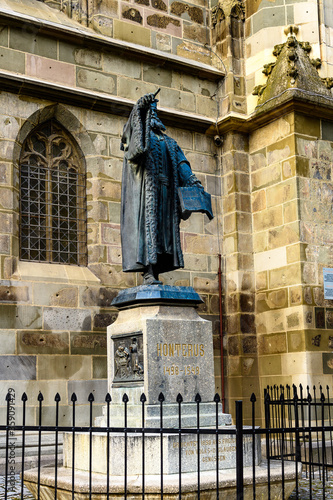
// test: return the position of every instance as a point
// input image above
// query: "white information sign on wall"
(328, 283)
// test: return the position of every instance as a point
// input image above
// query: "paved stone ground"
(317, 488)
(14, 493)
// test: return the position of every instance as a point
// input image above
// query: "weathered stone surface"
(191, 12)
(87, 343)
(195, 32)
(272, 344)
(233, 345)
(64, 367)
(6, 223)
(131, 33)
(27, 41)
(82, 388)
(114, 63)
(20, 316)
(267, 219)
(13, 294)
(287, 275)
(100, 367)
(18, 367)
(193, 51)
(48, 69)
(103, 82)
(66, 319)
(65, 297)
(104, 319)
(7, 341)
(132, 14)
(200, 244)
(42, 343)
(113, 275)
(97, 296)
(12, 60)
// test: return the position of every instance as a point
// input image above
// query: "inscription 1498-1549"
(128, 358)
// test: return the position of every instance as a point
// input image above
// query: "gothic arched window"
(52, 197)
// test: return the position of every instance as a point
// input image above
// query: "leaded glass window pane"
(52, 203)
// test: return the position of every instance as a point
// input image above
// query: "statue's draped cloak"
(154, 168)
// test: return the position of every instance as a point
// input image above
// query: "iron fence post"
(239, 451)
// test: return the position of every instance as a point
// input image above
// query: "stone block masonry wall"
(53, 318)
(239, 298)
(177, 27)
(291, 203)
(112, 72)
(315, 192)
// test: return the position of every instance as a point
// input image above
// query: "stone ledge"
(97, 101)
(227, 481)
(60, 273)
(87, 36)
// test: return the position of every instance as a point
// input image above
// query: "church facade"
(246, 93)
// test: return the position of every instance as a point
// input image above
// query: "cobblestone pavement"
(317, 488)
(14, 489)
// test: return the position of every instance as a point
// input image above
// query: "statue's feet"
(149, 279)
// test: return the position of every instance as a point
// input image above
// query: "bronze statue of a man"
(154, 168)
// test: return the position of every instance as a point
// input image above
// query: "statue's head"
(155, 122)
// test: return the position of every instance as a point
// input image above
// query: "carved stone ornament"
(316, 340)
(231, 8)
(328, 82)
(128, 358)
(293, 69)
(217, 14)
(238, 9)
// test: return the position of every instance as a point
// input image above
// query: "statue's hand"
(146, 100)
(194, 181)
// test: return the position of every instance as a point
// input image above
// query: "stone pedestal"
(159, 344)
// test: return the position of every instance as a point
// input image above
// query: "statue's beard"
(156, 124)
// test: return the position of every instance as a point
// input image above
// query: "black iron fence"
(176, 460)
(298, 424)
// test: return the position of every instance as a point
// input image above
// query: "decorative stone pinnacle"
(291, 30)
(293, 67)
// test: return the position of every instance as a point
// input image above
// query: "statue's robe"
(154, 168)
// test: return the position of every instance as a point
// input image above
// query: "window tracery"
(52, 197)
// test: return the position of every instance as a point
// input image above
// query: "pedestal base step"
(189, 418)
(189, 484)
(128, 450)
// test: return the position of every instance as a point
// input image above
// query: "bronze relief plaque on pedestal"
(128, 357)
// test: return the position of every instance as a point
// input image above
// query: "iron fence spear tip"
(91, 398)
(143, 398)
(179, 398)
(108, 398)
(197, 398)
